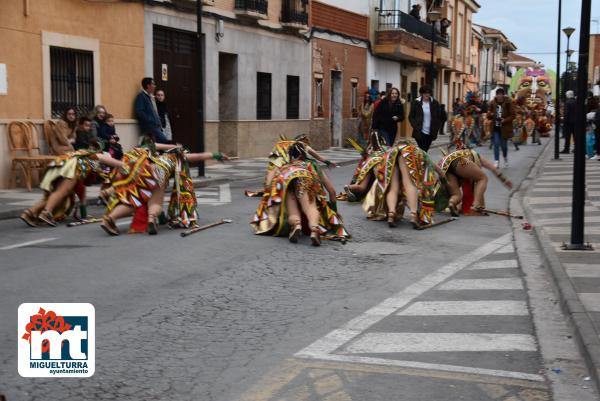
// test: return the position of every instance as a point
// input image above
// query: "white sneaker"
(505, 163)
(497, 163)
(595, 157)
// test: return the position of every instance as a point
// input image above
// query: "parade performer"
(64, 177)
(293, 191)
(464, 167)
(368, 167)
(140, 187)
(409, 176)
(279, 156)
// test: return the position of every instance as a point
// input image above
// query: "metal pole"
(432, 71)
(485, 83)
(567, 51)
(200, 88)
(557, 94)
(577, 221)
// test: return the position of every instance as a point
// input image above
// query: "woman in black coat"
(388, 114)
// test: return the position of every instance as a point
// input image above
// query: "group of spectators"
(383, 114)
(96, 130)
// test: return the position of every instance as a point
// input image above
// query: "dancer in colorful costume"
(64, 177)
(369, 166)
(293, 191)
(140, 189)
(408, 176)
(464, 167)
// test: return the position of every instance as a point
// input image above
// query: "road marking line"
(510, 248)
(564, 220)
(495, 264)
(583, 270)
(338, 337)
(466, 308)
(558, 210)
(483, 284)
(567, 230)
(224, 193)
(23, 244)
(382, 343)
(433, 366)
(591, 300)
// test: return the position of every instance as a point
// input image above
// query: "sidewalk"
(547, 201)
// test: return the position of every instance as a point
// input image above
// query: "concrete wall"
(239, 132)
(385, 71)
(28, 33)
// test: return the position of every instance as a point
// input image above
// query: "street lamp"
(568, 31)
(557, 94)
(433, 16)
(487, 45)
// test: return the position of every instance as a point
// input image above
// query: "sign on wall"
(164, 72)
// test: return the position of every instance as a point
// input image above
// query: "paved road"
(395, 314)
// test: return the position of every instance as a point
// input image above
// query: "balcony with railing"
(294, 14)
(407, 37)
(256, 9)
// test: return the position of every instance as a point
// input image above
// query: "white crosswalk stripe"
(506, 249)
(495, 264)
(466, 308)
(583, 270)
(379, 343)
(483, 284)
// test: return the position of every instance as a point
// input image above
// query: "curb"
(586, 337)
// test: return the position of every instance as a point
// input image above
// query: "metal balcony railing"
(391, 20)
(259, 6)
(294, 11)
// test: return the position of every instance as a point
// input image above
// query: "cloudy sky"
(531, 25)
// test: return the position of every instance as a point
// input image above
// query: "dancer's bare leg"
(473, 172)
(362, 186)
(329, 187)
(38, 207)
(410, 190)
(293, 209)
(391, 197)
(455, 193)
(155, 203)
(309, 207)
(63, 190)
(121, 211)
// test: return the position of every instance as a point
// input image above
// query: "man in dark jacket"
(425, 117)
(501, 112)
(569, 120)
(146, 112)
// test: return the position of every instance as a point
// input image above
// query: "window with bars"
(293, 97)
(354, 99)
(71, 80)
(263, 96)
(319, 97)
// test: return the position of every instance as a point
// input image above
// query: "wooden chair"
(23, 138)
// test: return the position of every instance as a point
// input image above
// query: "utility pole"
(200, 80)
(578, 213)
(557, 93)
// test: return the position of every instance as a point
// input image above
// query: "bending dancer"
(409, 176)
(141, 189)
(464, 166)
(366, 171)
(292, 191)
(60, 183)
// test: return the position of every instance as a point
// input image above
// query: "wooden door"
(176, 72)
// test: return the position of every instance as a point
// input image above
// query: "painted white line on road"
(566, 220)
(483, 284)
(567, 230)
(510, 248)
(591, 300)
(544, 200)
(434, 366)
(495, 264)
(583, 270)
(558, 210)
(224, 193)
(381, 343)
(337, 338)
(466, 308)
(23, 244)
